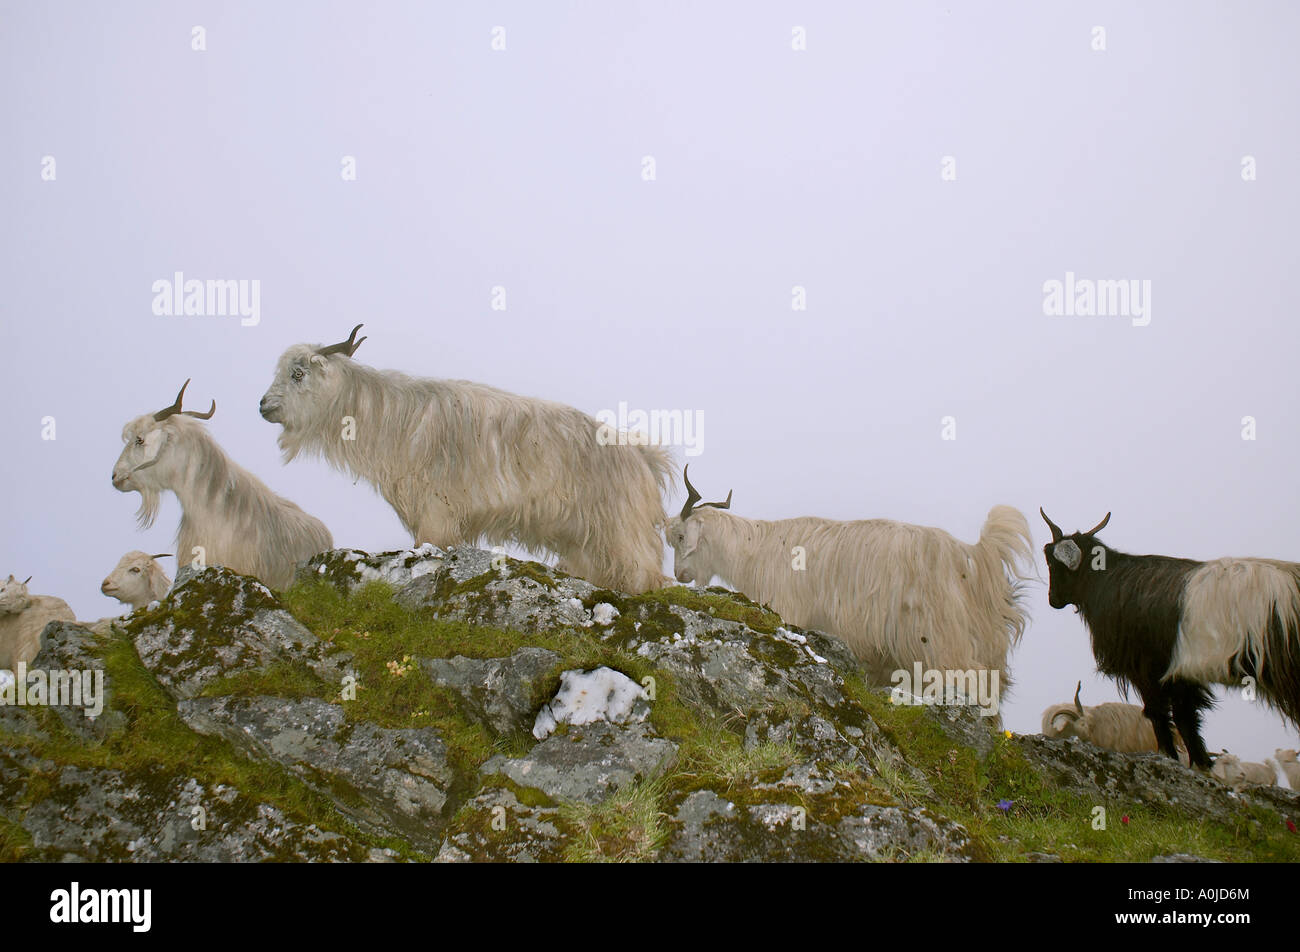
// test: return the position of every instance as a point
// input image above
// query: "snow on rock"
(589, 696)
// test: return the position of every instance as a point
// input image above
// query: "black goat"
(1172, 627)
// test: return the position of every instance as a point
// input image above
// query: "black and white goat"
(1172, 627)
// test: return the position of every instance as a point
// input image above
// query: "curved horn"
(175, 408)
(693, 497)
(161, 555)
(1099, 526)
(346, 347)
(1079, 707)
(26, 580)
(1057, 534)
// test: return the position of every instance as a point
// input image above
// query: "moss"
(14, 841)
(155, 747)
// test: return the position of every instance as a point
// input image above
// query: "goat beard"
(148, 511)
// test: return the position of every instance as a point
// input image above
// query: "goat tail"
(1005, 536)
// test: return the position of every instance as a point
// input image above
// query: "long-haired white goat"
(225, 510)
(460, 462)
(137, 580)
(1115, 726)
(23, 617)
(896, 593)
(1237, 773)
(1286, 759)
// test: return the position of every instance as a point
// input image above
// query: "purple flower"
(1004, 805)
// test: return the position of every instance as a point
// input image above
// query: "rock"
(103, 815)
(392, 782)
(1073, 764)
(68, 646)
(497, 692)
(588, 763)
(708, 828)
(349, 569)
(589, 696)
(495, 827)
(215, 623)
(1181, 858)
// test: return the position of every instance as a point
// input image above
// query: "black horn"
(346, 347)
(693, 497)
(1057, 534)
(1099, 526)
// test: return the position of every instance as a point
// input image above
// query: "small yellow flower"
(1008, 733)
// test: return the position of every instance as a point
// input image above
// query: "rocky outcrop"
(677, 726)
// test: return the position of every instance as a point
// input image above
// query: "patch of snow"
(604, 614)
(589, 696)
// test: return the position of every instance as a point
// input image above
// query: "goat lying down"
(1172, 627)
(896, 593)
(227, 513)
(1286, 759)
(137, 580)
(1237, 773)
(23, 617)
(1112, 725)
(461, 462)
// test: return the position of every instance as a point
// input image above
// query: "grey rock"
(215, 623)
(348, 569)
(391, 782)
(1181, 858)
(69, 646)
(495, 827)
(588, 763)
(1154, 779)
(708, 828)
(497, 692)
(102, 815)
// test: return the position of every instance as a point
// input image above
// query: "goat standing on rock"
(896, 593)
(461, 461)
(1171, 627)
(226, 511)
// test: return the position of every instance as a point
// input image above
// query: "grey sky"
(821, 168)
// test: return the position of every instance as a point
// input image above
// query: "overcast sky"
(1169, 156)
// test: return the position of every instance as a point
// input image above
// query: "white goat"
(1112, 725)
(227, 513)
(137, 580)
(23, 617)
(460, 462)
(1286, 759)
(1237, 773)
(896, 593)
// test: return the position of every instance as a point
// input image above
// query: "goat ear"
(1067, 553)
(319, 360)
(1062, 720)
(153, 442)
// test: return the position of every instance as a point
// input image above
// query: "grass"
(385, 641)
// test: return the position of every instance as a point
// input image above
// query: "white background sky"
(775, 168)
